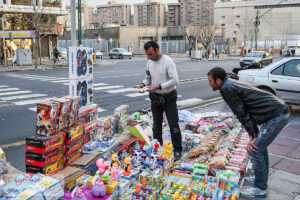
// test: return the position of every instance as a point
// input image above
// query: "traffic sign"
(99, 39)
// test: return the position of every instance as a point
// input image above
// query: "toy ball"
(210, 127)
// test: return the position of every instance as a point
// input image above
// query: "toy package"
(104, 126)
(47, 117)
(72, 157)
(74, 132)
(47, 169)
(42, 159)
(3, 168)
(65, 107)
(43, 144)
(91, 130)
(74, 145)
(80, 62)
(74, 110)
(88, 114)
(82, 88)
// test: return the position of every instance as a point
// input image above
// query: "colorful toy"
(115, 172)
(99, 189)
(127, 167)
(101, 166)
(3, 168)
(77, 193)
(114, 158)
(168, 149)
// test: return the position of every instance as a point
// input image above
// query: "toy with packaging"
(88, 114)
(80, 62)
(205, 186)
(74, 133)
(47, 169)
(64, 114)
(74, 110)
(3, 168)
(47, 117)
(82, 88)
(72, 157)
(91, 131)
(104, 126)
(74, 145)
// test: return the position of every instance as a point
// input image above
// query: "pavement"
(284, 155)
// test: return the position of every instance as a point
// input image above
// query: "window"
(238, 16)
(223, 25)
(223, 17)
(278, 70)
(292, 68)
(234, 32)
(238, 25)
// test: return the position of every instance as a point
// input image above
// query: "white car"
(119, 53)
(63, 53)
(281, 78)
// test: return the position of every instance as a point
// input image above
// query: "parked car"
(256, 58)
(63, 53)
(119, 53)
(281, 78)
(98, 54)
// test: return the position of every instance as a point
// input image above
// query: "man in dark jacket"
(253, 107)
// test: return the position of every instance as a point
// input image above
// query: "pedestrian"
(161, 76)
(293, 52)
(56, 54)
(216, 52)
(208, 52)
(213, 53)
(280, 52)
(253, 107)
(245, 51)
(249, 50)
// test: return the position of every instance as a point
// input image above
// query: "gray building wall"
(173, 15)
(149, 14)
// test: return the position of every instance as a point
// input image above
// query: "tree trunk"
(40, 50)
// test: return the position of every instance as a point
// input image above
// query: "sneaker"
(254, 192)
(177, 155)
(249, 179)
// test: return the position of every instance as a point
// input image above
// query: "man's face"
(215, 85)
(152, 54)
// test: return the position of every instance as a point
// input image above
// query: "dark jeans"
(170, 107)
(260, 159)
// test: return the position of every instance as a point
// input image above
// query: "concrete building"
(279, 26)
(173, 14)
(149, 14)
(197, 12)
(28, 21)
(113, 13)
(88, 17)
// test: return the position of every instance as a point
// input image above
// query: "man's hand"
(153, 88)
(251, 148)
(142, 85)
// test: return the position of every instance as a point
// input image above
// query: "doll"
(115, 172)
(127, 167)
(77, 193)
(99, 189)
(101, 166)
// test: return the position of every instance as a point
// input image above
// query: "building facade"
(113, 13)
(149, 14)
(27, 21)
(197, 12)
(279, 23)
(173, 14)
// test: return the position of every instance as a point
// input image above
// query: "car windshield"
(122, 50)
(62, 49)
(254, 54)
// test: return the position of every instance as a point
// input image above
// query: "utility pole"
(3, 39)
(79, 22)
(73, 23)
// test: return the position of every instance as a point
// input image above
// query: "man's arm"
(147, 79)
(238, 108)
(172, 73)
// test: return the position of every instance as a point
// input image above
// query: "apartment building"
(173, 14)
(21, 19)
(113, 13)
(149, 14)
(197, 12)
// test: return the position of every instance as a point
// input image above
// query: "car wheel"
(267, 90)
(271, 61)
(121, 56)
(111, 57)
(260, 65)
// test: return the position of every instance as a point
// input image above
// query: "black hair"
(218, 72)
(150, 44)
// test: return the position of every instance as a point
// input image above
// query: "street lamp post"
(3, 38)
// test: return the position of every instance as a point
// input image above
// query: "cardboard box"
(91, 130)
(74, 145)
(82, 88)
(43, 144)
(48, 169)
(65, 107)
(74, 133)
(47, 116)
(72, 157)
(74, 110)
(88, 114)
(80, 62)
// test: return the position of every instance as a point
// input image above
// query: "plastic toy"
(101, 166)
(222, 185)
(127, 167)
(168, 149)
(99, 189)
(114, 158)
(77, 193)
(115, 172)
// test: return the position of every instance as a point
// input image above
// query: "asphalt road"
(113, 83)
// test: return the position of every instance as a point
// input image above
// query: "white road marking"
(16, 92)
(32, 101)
(120, 76)
(99, 84)
(188, 102)
(23, 97)
(107, 87)
(60, 81)
(32, 109)
(121, 90)
(65, 83)
(2, 86)
(8, 89)
(101, 110)
(137, 94)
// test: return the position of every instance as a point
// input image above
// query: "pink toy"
(99, 189)
(101, 166)
(78, 194)
(115, 172)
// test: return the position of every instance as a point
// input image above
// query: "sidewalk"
(284, 154)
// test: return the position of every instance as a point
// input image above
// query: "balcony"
(51, 3)
(21, 2)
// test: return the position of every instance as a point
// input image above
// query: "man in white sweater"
(162, 78)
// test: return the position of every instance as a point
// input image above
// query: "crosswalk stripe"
(2, 86)
(121, 90)
(22, 97)
(60, 81)
(99, 84)
(32, 101)
(101, 110)
(178, 96)
(137, 94)
(8, 89)
(107, 87)
(2, 101)
(32, 109)
(16, 92)
(188, 102)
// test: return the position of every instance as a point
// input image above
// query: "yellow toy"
(169, 149)
(114, 159)
(127, 167)
(176, 195)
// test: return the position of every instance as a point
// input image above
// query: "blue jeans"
(260, 159)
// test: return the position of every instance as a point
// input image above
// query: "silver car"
(119, 53)
(281, 78)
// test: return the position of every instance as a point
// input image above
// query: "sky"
(104, 2)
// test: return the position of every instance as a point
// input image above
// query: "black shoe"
(177, 155)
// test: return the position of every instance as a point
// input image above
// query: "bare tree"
(204, 34)
(248, 29)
